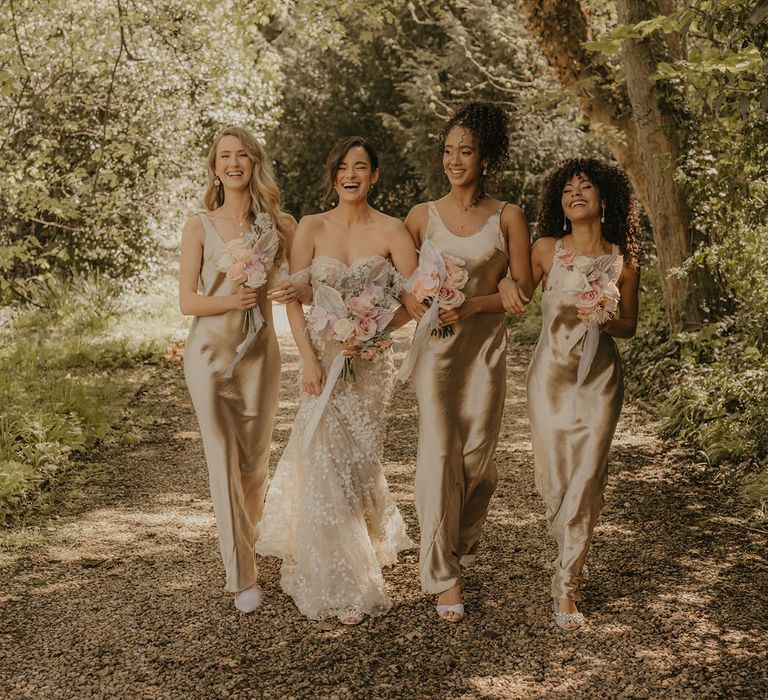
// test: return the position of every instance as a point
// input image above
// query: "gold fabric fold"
(572, 427)
(460, 384)
(235, 415)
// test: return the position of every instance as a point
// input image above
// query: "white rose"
(344, 329)
(583, 264)
(256, 279)
(575, 281)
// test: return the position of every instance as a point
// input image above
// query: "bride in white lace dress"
(329, 514)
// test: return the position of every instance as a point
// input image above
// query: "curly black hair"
(489, 124)
(622, 220)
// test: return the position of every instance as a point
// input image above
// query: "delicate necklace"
(466, 207)
(589, 252)
(241, 221)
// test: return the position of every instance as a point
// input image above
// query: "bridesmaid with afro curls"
(587, 250)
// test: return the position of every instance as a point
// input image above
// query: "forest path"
(121, 595)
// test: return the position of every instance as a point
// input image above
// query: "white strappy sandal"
(457, 608)
(248, 600)
(562, 619)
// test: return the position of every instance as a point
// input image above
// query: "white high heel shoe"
(457, 608)
(562, 619)
(248, 600)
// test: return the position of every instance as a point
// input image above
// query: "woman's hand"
(290, 291)
(246, 298)
(450, 316)
(416, 309)
(312, 378)
(512, 297)
(351, 348)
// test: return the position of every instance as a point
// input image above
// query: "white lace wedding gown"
(329, 514)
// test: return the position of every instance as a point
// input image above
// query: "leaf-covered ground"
(121, 594)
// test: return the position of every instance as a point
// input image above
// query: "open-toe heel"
(457, 608)
(567, 621)
(351, 618)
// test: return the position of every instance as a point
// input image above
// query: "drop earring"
(217, 182)
(602, 218)
(485, 170)
(565, 223)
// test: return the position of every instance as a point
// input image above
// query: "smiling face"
(355, 176)
(233, 165)
(581, 199)
(461, 157)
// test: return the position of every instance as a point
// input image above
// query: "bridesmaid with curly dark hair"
(460, 378)
(587, 257)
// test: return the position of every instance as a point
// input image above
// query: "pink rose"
(452, 262)
(365, 328)
(565, 257)
(588, 299)
(457, 277)
(361, 307)
(450, 298)
(372, 294)
(427, 281)
(237, 272)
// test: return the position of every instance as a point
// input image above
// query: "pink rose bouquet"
(247, 261)
(426, 286)
(358, 323)
(597, 296)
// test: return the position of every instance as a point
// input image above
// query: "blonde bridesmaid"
(235, 414)
(460, 379)
(574, 381)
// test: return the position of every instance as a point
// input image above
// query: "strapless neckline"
(354, 263)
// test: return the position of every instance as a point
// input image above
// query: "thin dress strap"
(558, 244)
(432, 219)
(499, 233)
(207, 225)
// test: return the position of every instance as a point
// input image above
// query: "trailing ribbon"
(591, 338)
(334, 372)
(431, 319)
(255, 323)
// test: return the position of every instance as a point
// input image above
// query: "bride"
(329, 514)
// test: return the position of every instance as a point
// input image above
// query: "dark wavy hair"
(622, 220)
(489, 124)
(339, 150)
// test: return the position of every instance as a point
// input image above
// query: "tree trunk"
(650, 146)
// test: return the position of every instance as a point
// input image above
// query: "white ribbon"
(255, 324)
(334, 372)
(591, 337)
(431, 319)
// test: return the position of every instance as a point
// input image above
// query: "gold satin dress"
(460, 384)
(235, 415)
(572, 426)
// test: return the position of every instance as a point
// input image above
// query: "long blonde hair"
(265, 197)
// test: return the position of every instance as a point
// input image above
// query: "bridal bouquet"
(597, 296)
(358, 323)
(597, 299)
(247, 261)
(428, 287)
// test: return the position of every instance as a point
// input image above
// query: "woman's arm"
(415, 224)
(403, 253)
(302, 250)
(516, 290)
(291, 290)
(625, 324)
(191, 303)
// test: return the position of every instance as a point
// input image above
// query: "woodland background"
(107, 108)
